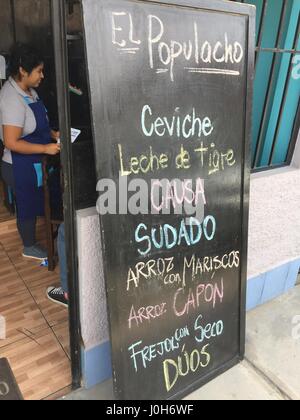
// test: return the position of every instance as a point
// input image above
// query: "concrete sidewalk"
(271, 369)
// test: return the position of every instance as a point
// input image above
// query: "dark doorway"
(55, 28)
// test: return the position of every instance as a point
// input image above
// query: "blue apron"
(27, 169)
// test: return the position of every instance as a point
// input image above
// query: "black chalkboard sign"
(170, 86)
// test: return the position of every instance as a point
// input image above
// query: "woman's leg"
(59, 295)
(61, 245)
(26, 228)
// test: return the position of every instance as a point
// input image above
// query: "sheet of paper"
(74, 134)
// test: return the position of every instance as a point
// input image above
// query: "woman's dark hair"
(24, 56)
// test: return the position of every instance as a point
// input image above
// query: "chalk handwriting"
(184, 365)
(187, 126)
(209, 293)
(169, 237)
(161, 269)
(218, 161)
(145, 354)
(143, 164)
(164, 270)
(200, 266)
(210, 158)
(208, 331)
(164, 53)
(115, 32)
(167, 194)
(146, 314)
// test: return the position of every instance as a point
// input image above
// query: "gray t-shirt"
(14, 110)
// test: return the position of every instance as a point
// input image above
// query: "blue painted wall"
(96, 365)
(272, 284)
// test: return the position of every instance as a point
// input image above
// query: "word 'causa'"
(165, 52)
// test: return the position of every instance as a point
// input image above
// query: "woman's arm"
(12, 140)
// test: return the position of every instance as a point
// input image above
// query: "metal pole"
(261, 27)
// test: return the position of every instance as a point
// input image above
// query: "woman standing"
(26, 133)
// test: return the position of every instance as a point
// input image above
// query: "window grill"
(276, 113)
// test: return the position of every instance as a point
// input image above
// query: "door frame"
(58, 18)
